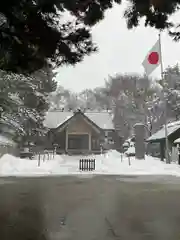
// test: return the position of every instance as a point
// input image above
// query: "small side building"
(158, 138)
(79, 132)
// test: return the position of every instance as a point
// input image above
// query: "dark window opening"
(78, 141)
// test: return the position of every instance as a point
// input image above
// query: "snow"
(171, 128)
(161, 133)
(126, 144)
(112, 163)
(55, 118)
(172, 124)
(177, 140)
(13, 166)
(131, 150)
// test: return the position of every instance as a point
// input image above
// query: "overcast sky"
(120, 51)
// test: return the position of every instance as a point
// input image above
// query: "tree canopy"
(156, 14)
(33, 32)
(24, 102)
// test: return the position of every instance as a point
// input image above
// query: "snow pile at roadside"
(13, 166)
(10, 164)
(147, 166)
(113, 154)
(110, 163)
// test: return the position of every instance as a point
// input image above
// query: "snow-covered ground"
(110, 163)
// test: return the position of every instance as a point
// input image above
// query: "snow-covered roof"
(101, 119)
(171, 128)
(54, 119)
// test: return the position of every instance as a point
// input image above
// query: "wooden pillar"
(66, 143)
(89, 141)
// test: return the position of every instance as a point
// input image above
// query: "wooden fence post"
(129, 160)
(121, 157)
(39, 159)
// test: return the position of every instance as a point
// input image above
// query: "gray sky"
(120, 51)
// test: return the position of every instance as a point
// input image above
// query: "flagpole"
(165, 104)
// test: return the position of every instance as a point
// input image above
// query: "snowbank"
(111, 163)
(131, 150)
(113, 154)
(13, 166)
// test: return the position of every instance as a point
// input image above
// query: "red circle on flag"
(153, 58)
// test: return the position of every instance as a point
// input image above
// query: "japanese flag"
(152, 59)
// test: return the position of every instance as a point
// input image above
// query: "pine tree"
(24, 102)
(33, 32)
(36, 104)
(156, 13)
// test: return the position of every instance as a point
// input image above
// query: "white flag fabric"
(152, 59)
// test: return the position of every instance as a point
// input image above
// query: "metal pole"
(165, 104)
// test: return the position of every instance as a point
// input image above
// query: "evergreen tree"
(33, 32)
(36, 104)
(155, 12)
(24, 102)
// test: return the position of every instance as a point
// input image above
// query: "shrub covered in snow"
(130, 151)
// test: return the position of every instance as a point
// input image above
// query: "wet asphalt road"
(101, 207)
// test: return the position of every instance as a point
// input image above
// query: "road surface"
(91, 208)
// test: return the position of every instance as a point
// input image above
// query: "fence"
(87, 164)
(44, 153)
